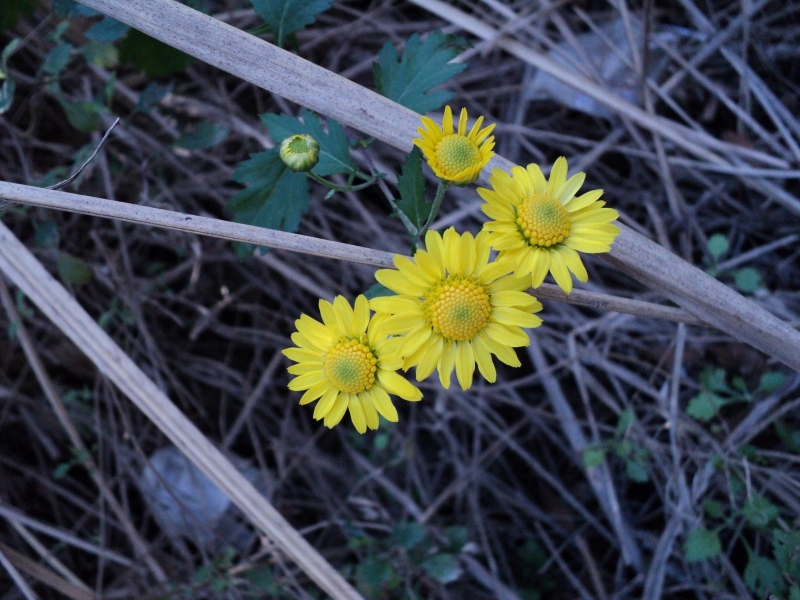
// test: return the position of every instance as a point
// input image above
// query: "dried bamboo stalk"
(296, 79)
(25, 271)
(238, 232)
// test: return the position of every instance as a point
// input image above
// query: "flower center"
(454, 153)
(543, 220)
(457, 308)
(298, 145)
(351, 365)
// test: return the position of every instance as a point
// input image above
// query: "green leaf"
(456, 537)
(411, 185)
(45, 234)
(704, 406)
(771, 381)
(786, 549)
(718, 245)
(636, 471)
(84, 116)
(12, 10)
(748, 280)
(626, 419)
(276, 197)
(72, 270)
(702, 544)
(334, 150)
(713, 509)
(759, 511)
(101, 54)
(407, 535)
(152, 95)
(151, 56)
(790, 437)
(374, 575)
(714, 380)
(204, 135)
(62, 470)
(107, 30)
(763, 576)
(794, 592)
(424, 65)
(442, 567)
(7, 95)
(376, 290)
(593, 457)
(285, 17)
(57, 59)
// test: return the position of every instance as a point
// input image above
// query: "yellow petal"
(447, 121)
(504, 353)
(520, 175)
(394, 305)
(509, 282)
(402, 323)
(558, 175)
(415, 339)
(573, 261)
(326, 403)
(484, 359)
(537, 179)
(447, 363)
(507, 335)
(306, 367)
(361, 315)
(599, 215)
(312, 345)
(499, 213)
(410, 269)
(356, 413)
(462, 122)
(583, 200)
(495, 271)
(452, 251)
(513, 316)
(560, 272)
(307, 380)
(475, 128)
(428, 264)
(344, 315)
(383, 404)
(430, 359)
(303, 355)
(570, 187)
(510, 298)
(327, 314)
(399, 283)
(540, 269)
(316, 391)
(368, 406)
(314, 331)
(397, 385)
(465, 364)
(509, 241)
(432, 128)
(337, 411)
(589, 246)
(435, 247)
(482, 134)
(468, 253)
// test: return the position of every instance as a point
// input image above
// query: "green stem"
(341, 188)
(437, 203)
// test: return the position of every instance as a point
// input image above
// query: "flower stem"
(342, 188)
(437, 203)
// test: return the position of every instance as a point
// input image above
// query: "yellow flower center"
(457, 308)
(455, 153)
(543, 220)
(351, 365)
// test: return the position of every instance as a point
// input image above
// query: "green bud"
(300, 153)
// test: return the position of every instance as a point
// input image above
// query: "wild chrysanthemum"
(539, 225)
(455, 308)
(455, 156)
(349, 364)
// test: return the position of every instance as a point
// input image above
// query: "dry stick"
(46, 576)
(296, 79)
(23, 586)
(139, 545)
(145, 215)
(55, 302)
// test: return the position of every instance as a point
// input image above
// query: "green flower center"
(457, 308)
(298, 145)
(351, 365)
(543, 220)
(455, 153)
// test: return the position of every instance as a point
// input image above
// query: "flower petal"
(344, 315)
(465, 364)
(430, 359)
(537, 179)
(326, 403)
(573, 261)
(560, 272)
(583, 200)
(399, 283)
(513, 316)
(337, 411)
(303, 355)
(394, 305)
(447, 363)
(541, 268)
(361, 315)
(415, 339)
(383, 404)
(565, 193)
(356, 413)
(315, 391)
(558, 175)
(484, 359)
(435, 247)
(462, 122)
(368, 406)
(447, 121)
(397, 385)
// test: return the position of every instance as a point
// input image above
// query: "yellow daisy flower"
(539, 224)
(349, 364)
(454, 156)
(455, 308)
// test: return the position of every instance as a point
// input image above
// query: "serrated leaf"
(73, 270)
(763, 576)
(704, 406)
(718, 245)
(786, 549)
(107, 30)
(424, 65)
(285, 17)
(759, 511)
(702, 544)
(57, 59)
(334, 150)
(84, 116)
(442, 567)
(593, 457)
(714, 380)
(7, 95)
(411, 185)
(204, 135)
(276, 197)
(748, 280)
(377, 290)
(155, 58)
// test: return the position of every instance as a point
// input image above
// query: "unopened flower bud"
(300, 153)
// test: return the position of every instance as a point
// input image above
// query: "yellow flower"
(539, 225)
(456, 157)
(299, 152)
(455, 308)
(349, 364)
